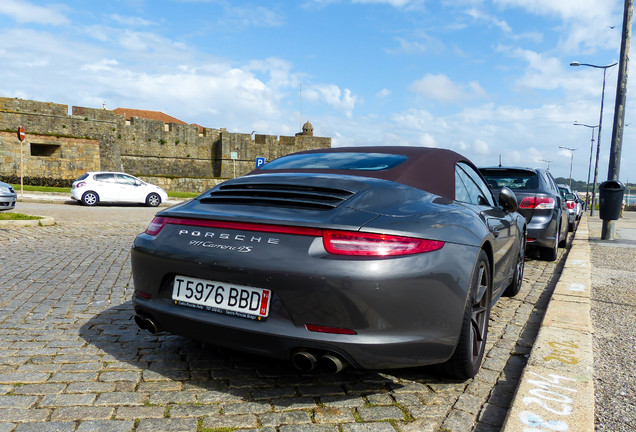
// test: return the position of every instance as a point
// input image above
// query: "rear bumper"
(360, 351)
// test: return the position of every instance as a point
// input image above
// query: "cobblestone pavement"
(72, 359)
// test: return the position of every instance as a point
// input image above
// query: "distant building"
(149, 144)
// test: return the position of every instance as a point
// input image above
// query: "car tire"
(469, 352)
(517, 279)
(563, 241)
(90, 198)
(153, 200)
(551, 254)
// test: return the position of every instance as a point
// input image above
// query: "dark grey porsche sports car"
(376, 257)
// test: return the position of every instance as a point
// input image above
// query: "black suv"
(540, 202)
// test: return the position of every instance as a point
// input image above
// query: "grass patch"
(183, 194)
(30, 188)
(17, 216)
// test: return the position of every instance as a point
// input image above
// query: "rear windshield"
(82, 177)
(513, 180)
(337, 161)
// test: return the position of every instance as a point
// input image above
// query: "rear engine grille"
(278, 195)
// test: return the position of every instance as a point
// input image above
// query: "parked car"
(540, 202)
(378, 257)
(571, 204)
(116, 187)
(8, 197)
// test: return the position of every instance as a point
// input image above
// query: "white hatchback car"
(94, 187)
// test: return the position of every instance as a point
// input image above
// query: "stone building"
(160, 149)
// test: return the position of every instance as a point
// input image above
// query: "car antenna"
(499, 161)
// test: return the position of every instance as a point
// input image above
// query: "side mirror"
(508, 200)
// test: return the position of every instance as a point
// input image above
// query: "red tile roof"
(150, 115)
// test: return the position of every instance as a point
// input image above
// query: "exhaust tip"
(304, 361)
(146, 324)
(331, 363)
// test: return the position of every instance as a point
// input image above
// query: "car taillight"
(156, 226)
(335, 242)
(570, 204)
(80, 184)
(537, 202)
(366, 244)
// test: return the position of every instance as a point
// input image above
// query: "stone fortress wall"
(178, 157)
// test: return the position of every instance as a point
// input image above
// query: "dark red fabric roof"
(429, 169)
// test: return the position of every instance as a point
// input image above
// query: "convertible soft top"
(425, 168)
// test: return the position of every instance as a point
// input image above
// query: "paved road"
(71, 358)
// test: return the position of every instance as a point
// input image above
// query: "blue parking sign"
(260, 161)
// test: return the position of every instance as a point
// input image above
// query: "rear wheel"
(551, 254)
(153, 200)
(466, 359)
(517, 278)
(90, 198)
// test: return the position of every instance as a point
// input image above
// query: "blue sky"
(481, 77)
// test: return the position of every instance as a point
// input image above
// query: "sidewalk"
(581, 369)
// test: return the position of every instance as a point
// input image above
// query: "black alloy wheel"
(469, 353)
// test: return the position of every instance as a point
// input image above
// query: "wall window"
(45, 150)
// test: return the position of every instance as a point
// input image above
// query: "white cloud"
(130, 21)
(258, 16)
(481, 147)
(478, 15)
(394, 3)
(585, 23)
(342, 100)
(442, 89)
(26, 12)
(383, 93)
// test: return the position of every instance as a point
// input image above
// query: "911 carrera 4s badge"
(231, 299)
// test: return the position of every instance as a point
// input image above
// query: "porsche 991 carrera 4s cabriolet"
(374, 257)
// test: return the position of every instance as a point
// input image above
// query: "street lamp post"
(546, 161)
(572, 150)
(589, 168)
(600, 123)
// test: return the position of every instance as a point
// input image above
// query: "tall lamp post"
(589, 168)
(600, 123)
(546, 161)
(572, 150)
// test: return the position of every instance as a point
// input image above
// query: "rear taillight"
(80, 184)
(537, 202)
(351, 243)
(156, 226)
(365, 244)
(570, 204)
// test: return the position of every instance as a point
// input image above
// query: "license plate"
(231, 299)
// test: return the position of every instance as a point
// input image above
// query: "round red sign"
(21, 133)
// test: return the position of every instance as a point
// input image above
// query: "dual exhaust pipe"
(306, 361)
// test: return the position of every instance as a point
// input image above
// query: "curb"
(556, 390)
(43, 221)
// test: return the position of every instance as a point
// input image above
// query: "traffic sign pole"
(21, 137)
